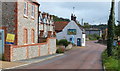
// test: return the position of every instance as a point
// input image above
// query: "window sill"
(25, 44)
(32, 18)
(25, 16)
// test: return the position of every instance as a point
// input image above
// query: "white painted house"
(73, 32)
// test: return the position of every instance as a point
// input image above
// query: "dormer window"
(25, 8)
(33, 11)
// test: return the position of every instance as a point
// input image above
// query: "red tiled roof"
(60, 25)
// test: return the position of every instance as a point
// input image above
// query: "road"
(77, 58)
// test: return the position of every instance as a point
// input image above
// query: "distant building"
(94, 31)
(71, 31)
(46, 26)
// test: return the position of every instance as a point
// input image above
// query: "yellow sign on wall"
(10, 38)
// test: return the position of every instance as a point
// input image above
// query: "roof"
(93, 30)
(60, 25)
(80, 27)
(34, 1)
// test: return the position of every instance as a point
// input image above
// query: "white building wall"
(71, 25)
(83, 39)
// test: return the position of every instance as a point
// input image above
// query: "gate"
(1, 43)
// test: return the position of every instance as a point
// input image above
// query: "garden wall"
(14, 53)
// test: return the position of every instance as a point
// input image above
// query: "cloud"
(92, 12)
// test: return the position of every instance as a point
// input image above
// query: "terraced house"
(21, 18)
(46, 26)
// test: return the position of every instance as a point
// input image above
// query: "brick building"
(21, 18)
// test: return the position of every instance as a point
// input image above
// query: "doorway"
(1, 43)
(78, 42)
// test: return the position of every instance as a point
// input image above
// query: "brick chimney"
(73, 17)
(44, 15)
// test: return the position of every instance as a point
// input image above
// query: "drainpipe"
(38, 23)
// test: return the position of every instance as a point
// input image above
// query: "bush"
(64, 42)
(60, 50)
(57, 42)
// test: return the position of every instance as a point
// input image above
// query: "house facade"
(21, 19)
(46, 25)
(73, 32)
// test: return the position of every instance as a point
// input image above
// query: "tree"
(117, 30)
(87, 25)
(111, 24)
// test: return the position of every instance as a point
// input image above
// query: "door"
(78, 42)
(1, 43)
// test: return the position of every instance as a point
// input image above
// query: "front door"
(1, 43)
(78, 42)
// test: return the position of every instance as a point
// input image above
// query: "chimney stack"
(73, 17)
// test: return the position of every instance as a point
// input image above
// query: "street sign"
(10, 38)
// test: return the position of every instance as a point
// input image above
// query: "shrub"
(57, 42)
(60, 50)
(64, 42)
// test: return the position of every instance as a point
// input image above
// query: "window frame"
(33, 36)
(25, 36)
(33, 11)
(25, 9)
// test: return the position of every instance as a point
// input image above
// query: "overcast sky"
(92, 12)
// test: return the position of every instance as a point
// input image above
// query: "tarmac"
(11, 65)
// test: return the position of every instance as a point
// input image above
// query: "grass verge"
(110, 63)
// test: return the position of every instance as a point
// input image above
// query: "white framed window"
(33, 11)
(25, 8)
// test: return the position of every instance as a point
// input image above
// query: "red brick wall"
(8, 52)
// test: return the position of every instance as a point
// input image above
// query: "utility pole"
(73, 10)
(82, 22)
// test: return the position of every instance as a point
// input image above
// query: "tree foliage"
(111, 24)
(117, 31)
(56, 18)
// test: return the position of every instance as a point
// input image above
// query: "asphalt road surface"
(77, 58)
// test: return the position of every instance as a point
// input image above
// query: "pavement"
(11, 65)
(88, 57)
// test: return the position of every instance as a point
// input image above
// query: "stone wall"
(27, 22)
(8, 16)
(14, 53)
